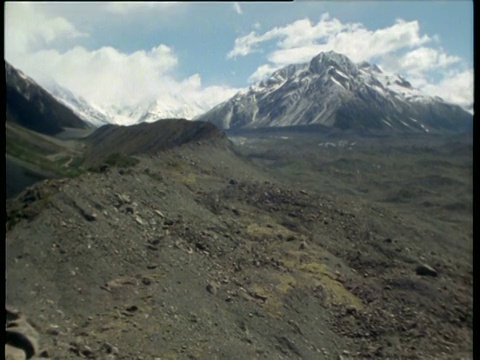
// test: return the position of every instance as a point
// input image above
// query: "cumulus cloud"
(456, 87)
(104, 76)
(108, 77)
(293, 35)
(27, 29)
(244, 45)
(301, 38)
(418, 61)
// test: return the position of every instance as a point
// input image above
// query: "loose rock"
(426, 270)
(212, 288)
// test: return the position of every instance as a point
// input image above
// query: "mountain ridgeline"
(331, 90)
(150, 138)
(32, 107)
(46, 139)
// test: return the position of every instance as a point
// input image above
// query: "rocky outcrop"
(21, 337)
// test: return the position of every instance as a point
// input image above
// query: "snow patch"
(378, 89)
(342, 74)
(386, 122)
(336, 82)
(404, 123)
(424, 128)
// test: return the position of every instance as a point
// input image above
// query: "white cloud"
(237, 8)
(27, 29)
(418, 61)
(105, 76)
(301, 33)
(210, 96)
(301, 54)
(127, 7)
(262, 72)
(455, 87)
(302, 38)
(244, 45)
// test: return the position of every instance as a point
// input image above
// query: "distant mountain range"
(78, 112)
(148, 111)
(330, 90)
(333, 91)
(46, 139)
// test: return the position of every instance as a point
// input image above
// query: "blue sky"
(125, 52)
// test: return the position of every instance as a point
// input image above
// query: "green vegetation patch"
(305, 271)
(274, 299)
(121, 160)
(115, 160)
(43, 153)
(315, 273)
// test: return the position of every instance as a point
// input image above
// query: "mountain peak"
(367, 66)
(331, 55)
(333, 91)
(324, 60)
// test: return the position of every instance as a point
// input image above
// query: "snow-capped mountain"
(169, 107)
(79, 106)
(332, 90)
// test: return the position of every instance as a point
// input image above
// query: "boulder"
(21, 340)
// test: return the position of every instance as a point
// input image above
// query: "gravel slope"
(195, 253)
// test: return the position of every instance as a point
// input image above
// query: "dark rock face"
(29, 105)
(331, 90)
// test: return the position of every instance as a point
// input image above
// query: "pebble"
(53, 330)
(159, 213)
(212, 288)
(109, 348)
(132, 308)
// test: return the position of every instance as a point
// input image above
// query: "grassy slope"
(33, 157)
